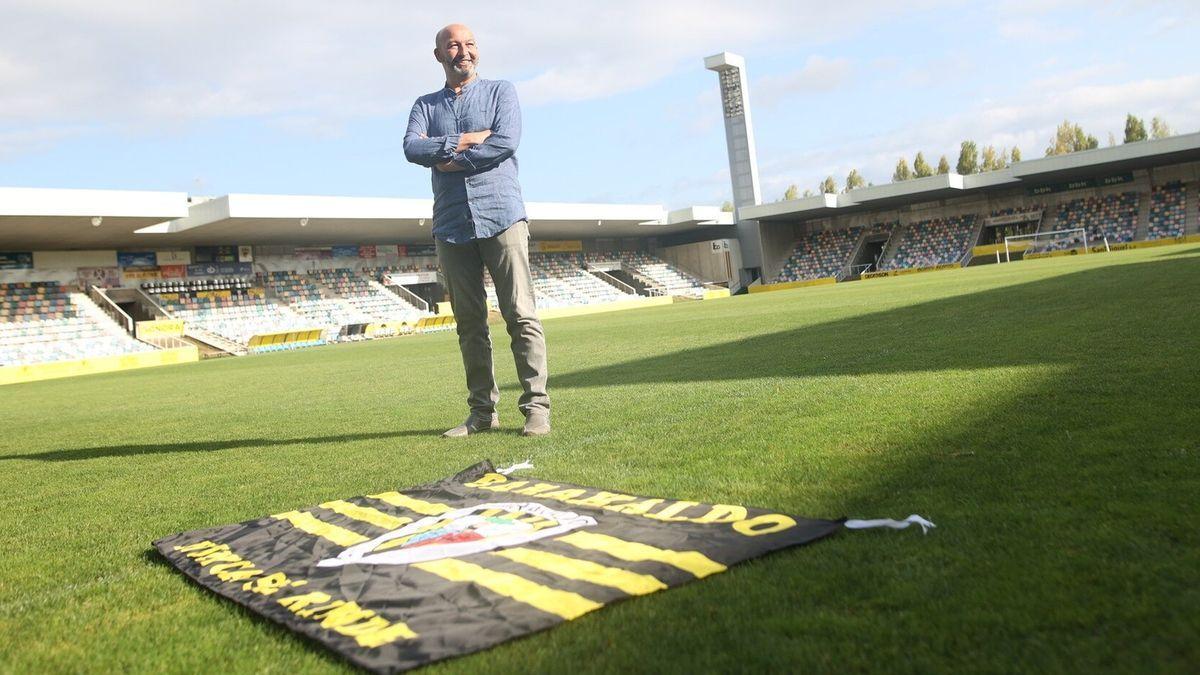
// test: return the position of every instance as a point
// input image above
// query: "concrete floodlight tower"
(743, 162)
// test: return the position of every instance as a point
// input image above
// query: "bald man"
(467, 134)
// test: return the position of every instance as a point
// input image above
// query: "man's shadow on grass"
(1054, 321)
(1195, 250)
(72, 454)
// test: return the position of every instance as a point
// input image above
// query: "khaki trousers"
(506, 257)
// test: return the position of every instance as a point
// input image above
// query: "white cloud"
(1036, 30)
(1026, 120)
(140, 61)
(23, 141)
(818, 74)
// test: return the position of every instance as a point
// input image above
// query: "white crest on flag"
(461, 532)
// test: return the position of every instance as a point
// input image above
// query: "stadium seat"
(820, 255)
(1168, 204)
(40, 323)
(929, 243)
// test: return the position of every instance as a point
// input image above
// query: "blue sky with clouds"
(310, 97)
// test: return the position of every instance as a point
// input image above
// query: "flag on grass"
(399, 579)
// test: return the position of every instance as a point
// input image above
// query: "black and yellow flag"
(398, 579)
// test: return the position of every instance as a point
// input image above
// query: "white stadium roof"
(62, 219)
(38, 218)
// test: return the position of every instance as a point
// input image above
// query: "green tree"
(808, 193)
(829, 186)
(1068, 138)
(968, 158)
(902, 172)
(727, 206)
(921, 168)
(1016, 155)
(1135, 129)
(943, 166)
(990, 161)
(854, 180)
(1159, 128)
(792, 192)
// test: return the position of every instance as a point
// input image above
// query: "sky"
(311, 97)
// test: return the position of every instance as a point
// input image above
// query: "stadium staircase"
(1191, 208)
(848, 271)
(972, 242)
(209, 344)
(649, 286)
(619, 284)
(892, 246)
(1142, 226)
(89, 309)
(402, 295)
(1049, 222)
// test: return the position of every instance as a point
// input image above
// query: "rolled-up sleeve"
(424, 151)
(506, 133)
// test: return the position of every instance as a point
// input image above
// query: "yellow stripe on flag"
(307, 522)
(689, 561)
(566, 604)
(406, 502)
(584, 570)
(366, 514)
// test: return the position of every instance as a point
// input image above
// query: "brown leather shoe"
(536, 424)
(473, 425)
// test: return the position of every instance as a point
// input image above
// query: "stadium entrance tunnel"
(1000, 327)
(869, 254)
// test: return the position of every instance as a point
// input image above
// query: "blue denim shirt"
(485, 199)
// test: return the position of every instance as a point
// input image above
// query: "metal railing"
(110, 308)
(212, 339)
(152, 303)
(166, 342)
(652, 287)
(976, 234)
(613, 281)
(409, 297)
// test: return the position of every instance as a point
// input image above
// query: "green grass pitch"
(1045, 414)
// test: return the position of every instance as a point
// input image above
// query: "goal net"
(1045, 242)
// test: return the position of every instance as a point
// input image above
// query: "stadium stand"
(301, 295)
(662, 273)
(1113, 217)
(560, 280)
(650, 271)
(820, 255)
(43, 321)
(1168, 206)
(366, 299)
(234, 308)
(929, 243)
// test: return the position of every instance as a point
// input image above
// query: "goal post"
(1040, 242)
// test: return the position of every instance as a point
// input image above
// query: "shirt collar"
(469, 85)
